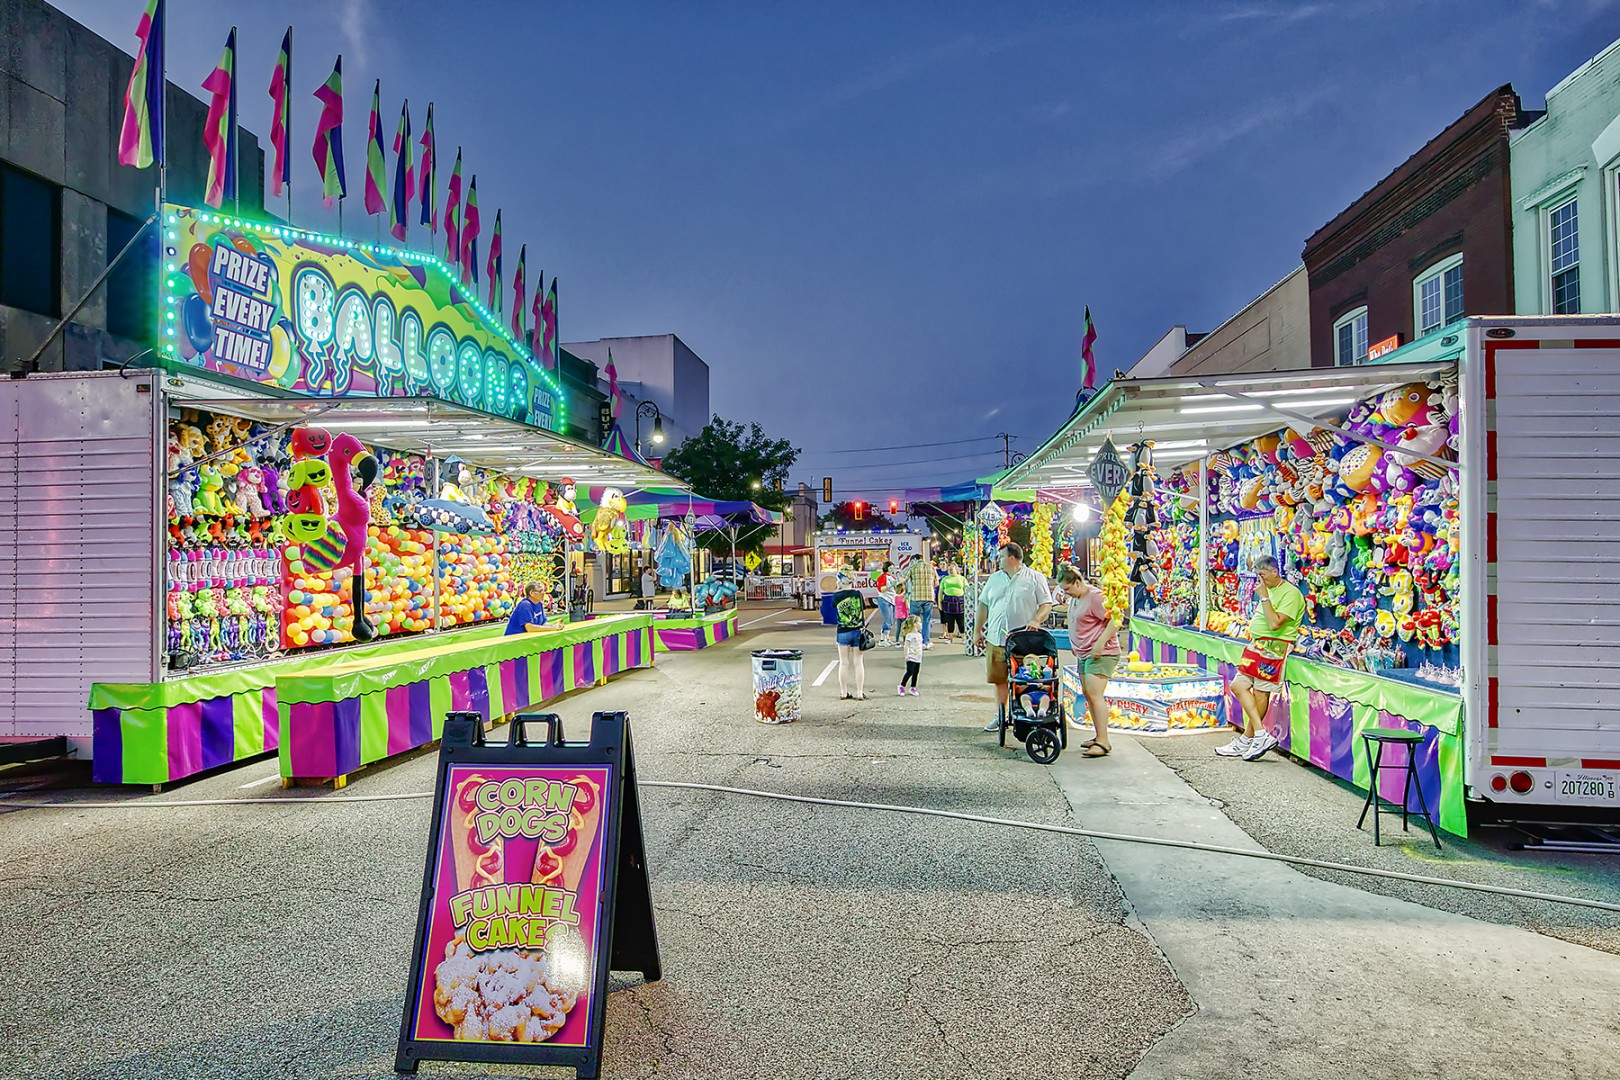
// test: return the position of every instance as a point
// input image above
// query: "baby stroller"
(1034, 704)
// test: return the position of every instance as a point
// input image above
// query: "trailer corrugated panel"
(78, 473)
(1555, 574)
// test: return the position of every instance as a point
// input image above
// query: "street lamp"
(756, 485)
(650, 409)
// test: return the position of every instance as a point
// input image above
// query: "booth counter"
(1322, 709)
(684, 634)
(331, 713)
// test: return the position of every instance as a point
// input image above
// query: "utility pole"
(1006, 449)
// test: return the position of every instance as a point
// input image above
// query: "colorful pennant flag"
(1088, 362)
(376, 163)
(281, 119)
(404, 173)
(329, 136)
(428, 196)
(469, 235)
(548, 312)
(492, 269)
(219, 130)
(452, 215)
(140, 139)
(517, 293)
(614, 395)
(537, 311)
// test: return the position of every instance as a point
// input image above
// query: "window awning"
(432, 427)
(1190, 417)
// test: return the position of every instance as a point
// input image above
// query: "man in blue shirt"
(528, 615)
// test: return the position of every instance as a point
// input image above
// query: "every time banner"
(329, 317)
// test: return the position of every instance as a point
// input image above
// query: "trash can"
(829, 610)
(777, 675)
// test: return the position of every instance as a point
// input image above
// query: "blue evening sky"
(879, 223)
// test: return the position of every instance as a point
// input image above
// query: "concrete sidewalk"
(1293, 976)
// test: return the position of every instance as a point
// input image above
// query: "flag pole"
(163, 112)
(236, 134)
(287, 138)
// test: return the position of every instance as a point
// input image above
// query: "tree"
(723, 461)
(842, 516)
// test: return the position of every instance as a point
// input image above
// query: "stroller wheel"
(1043, 746)
(1002, 734)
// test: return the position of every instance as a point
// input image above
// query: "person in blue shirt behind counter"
(529, 615)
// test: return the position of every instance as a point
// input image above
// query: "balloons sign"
(197, 266)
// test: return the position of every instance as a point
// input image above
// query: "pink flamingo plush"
(354, 521)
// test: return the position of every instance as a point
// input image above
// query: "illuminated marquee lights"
(332, 326)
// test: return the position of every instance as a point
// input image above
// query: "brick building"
(1429, 243)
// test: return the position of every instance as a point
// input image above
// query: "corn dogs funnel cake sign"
(526, 865)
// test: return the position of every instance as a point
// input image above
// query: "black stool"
(1383, 736)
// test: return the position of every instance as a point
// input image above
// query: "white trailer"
(1541, 476)
(869, 550)
(80, 582)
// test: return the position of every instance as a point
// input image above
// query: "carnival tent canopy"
(441, 429)
(1192, 417)
(981, 490)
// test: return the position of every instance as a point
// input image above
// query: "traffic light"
(894, 506)
(860, 511)
(826, 490)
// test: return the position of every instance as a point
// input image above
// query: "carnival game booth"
(1449, 512)
(712, 617)
(315, 554)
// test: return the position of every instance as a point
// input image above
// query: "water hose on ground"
(922, 811)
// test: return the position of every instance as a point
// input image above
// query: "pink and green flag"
(329, 136)
(427, 172)
(517, 293)
(281, 118)
(537, 312)
(376, 161)
(452, 215)
(1088, 362)
(404, 174)
(469, 235)
(492, 269)
(548, 312)
(219, 130)
(140, 139)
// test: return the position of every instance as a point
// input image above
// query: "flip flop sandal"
(1088, 744)
(1087, 748)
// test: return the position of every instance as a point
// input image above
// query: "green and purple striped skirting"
(1319, 715)
(684, 635)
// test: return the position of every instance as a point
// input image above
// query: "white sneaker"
(900, 690)
(1236, 748)
(1260, 744)
(993, 725)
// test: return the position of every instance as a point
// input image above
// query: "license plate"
(1584, 787)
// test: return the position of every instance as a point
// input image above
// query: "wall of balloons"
(276, 539)
(1368, 530)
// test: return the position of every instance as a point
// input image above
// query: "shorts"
(1263, 670)
(849, 637)
(995, 665)
(1103, 666)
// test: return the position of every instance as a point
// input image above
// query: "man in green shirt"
(1272, 631)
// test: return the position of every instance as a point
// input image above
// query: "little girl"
(912, 635)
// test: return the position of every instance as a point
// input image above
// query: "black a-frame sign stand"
(626, 933)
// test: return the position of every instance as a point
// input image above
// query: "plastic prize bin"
(777, 675)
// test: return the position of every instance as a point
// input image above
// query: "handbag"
(867, 642)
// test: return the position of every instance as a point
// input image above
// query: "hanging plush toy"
(354, 520)
(609, 529)
(562, 509)
(674, 563)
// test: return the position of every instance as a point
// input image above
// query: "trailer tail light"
(1522, 782)
(1499, 783)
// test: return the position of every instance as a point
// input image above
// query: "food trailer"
(304, 533)
(835, 549)
(1450, 512)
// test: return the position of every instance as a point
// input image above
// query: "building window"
(132, 286)
(1564, 259)
(1350, 338)
(1437, 295)
(30, 242)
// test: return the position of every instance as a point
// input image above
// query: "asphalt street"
(798, 941)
